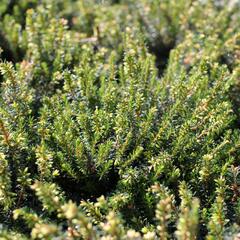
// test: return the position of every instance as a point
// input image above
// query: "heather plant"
(119, 120)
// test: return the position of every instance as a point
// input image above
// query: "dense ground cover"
(119, 119)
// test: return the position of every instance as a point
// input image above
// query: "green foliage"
(119, 119)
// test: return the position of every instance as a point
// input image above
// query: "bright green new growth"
(119, 120)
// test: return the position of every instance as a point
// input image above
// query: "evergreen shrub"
(119, 119)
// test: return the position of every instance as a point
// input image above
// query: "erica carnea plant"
(119, 119)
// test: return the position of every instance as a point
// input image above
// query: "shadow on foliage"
(88, 188)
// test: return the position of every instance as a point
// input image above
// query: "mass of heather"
(120, 119)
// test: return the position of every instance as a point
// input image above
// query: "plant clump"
(119, 119)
